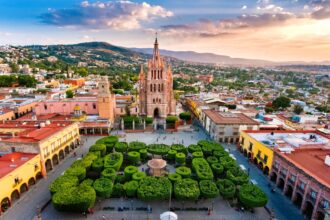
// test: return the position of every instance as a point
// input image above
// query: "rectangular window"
(250, 147)
(302, 185)
(325, 204)
(259, 154)
(313, 194)
(242, 142)
(265, 158)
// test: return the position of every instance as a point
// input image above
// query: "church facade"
(156, 87)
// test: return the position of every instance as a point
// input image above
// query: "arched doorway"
(320, 215)
(289, 191)
(31, 182)
(255, 160)
(245, 152)
(308, 211)
(261, 166)
(61, 154)
(23, 188)
(298, 200)
(14, 196)
(67, 150)
(280, 183)
(72, 146)
(48, 165)
(5, 204)
(266, 170)
(249, 155)
(156, 113)
(273, 177)
(38, 176)
(55, 160)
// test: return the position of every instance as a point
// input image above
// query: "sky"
(277, 30)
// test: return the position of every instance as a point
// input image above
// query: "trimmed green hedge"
(63, 182)
(180, 148)
(109, 173)
(194, 148)
(143, 153)
(220, 153)
(228, 162)
(171, 119)
(212, 159)
(87, 182)
(186, 189)
(103, 187)
(185, 172)
(149, 120)
(217, 168)
(139, 176)
(98, 148)
(128, 120)
(171, 154)
(136, 146)
(198, 154)
(158, 149)
(118, 190)
(121, 147)
(113, 160)
(208, 189)
(209, 146)
(79, 172)
(154, 188)
(98, 165)
(180, 158)
(131, 188)
(109, 142)
(134, 157)
(74, 199)
(174, 177)
(86, 161)
(185, 116)
(237, 175)
(252, 196)
(129, 171)
(202, 169)
(227, 188)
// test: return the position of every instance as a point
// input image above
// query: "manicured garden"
(110, 170)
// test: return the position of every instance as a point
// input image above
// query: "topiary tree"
(194, 148)
(185, 116)
(118, 190)
(186, 189)
(74, 199)
(113, 160)
(180, 158)
(136, 146)
(121, 147)
(252, 196)
(171, 119)
(174, 177)
(87, 182)
(217, 168)
(227, 188)
(220, 153)
(237, 175)
(152, 188)
(97, 165)
(228, 162)
(103, 187)
(202, 169)
(198, 154)
(109, 173)
(131, 188)
(139, 176)
(158, 149)
(63, 182)
(149, 120)
(185, 172)
(98, 148)
(109, 141)
(171, 154)
(143, 154)
(129, 171)
(208, 189)
(79, 172)
(212, 159)
(180, 148)
(134, 157)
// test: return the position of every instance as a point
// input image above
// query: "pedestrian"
(82, 155)
(103, 217)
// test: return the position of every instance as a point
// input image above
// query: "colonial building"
(156, 88)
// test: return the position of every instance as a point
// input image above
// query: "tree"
(281, 102)
(298, 109)
(14, 67)
(27, 81)
(69, 94)
(269, 109)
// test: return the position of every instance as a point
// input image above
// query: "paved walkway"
(281, 205)
(25, 208)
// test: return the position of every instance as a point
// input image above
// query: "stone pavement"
(25, 208)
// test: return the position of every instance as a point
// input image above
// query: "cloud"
(120, 15)
(244, 7)
(321, 9)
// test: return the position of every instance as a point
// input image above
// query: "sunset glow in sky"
(278, 30)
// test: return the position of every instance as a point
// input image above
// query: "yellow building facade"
(19, 171)
(255, 150)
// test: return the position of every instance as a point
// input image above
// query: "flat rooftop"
(29, 131)
(312, 162)
(229, 118)
(10, 162)
(290, 139)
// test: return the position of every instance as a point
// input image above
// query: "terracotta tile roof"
(312, 162)
(229, 118)
(12, 161)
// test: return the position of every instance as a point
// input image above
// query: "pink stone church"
(156, 88)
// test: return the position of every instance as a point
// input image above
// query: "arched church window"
(150, 87)
(162, 87)
(155, 89)
(161, 74)
(158, 87)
